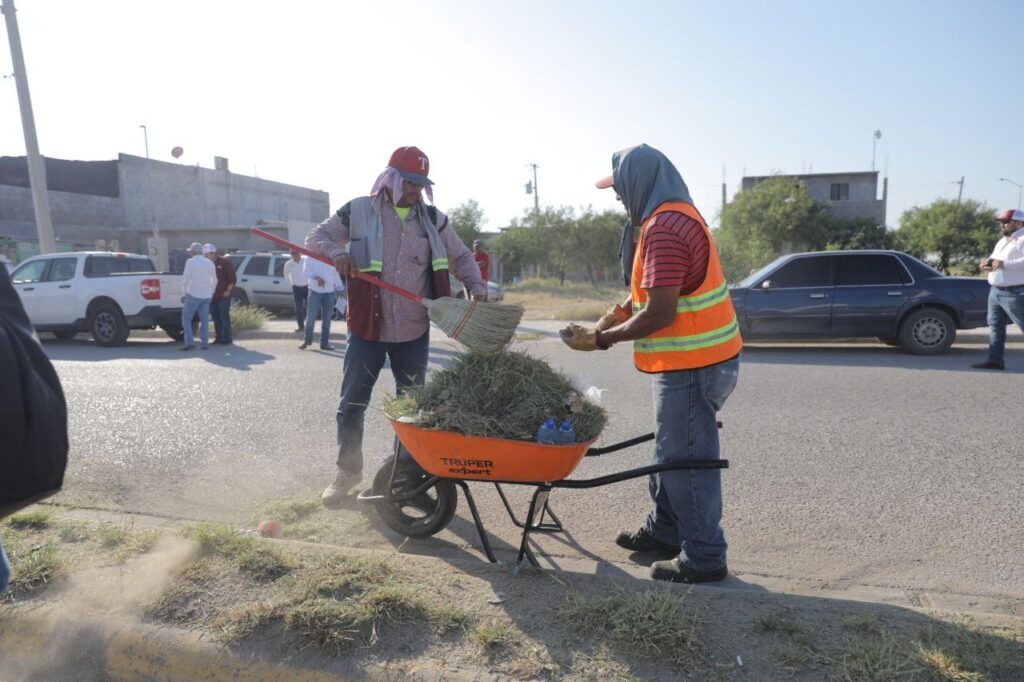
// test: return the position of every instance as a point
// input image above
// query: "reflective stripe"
(375, 266)
(440, 263)
(667, 344)
(690, 304)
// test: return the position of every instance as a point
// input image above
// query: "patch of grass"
(125, 542)
(865, 623)
(182, 602)
(73, 533)
(333, 626)
(450, 618)
(878, 658)
(653, 621)
(780, 625)
(256, 557)
(495, 636)
(581, 312)
(288, 511)
(34, 567)
(248, 317)
(964, 653)
(239, 622)
(37, 519)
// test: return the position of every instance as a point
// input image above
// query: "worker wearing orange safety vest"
(685, 335)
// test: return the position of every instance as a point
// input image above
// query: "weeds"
(248, 317)
(652, 621)
(288, 511)
(255, 557)
(963, 653)
(35, 567)
(878, 658)
(495, 636)
(37, 519)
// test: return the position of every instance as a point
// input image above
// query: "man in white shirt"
(199, 280)
(293, 272)
(1005, 268)
(323, 280)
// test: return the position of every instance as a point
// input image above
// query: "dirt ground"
(546, 299)
(384, 615)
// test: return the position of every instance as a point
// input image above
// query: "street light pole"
(536, 195)
(877, 135)
(36, 168)
(1020, 189)
(145, 134)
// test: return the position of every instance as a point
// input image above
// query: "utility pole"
(36, 169)
(960, 194)
(536, 194)
(875, 137)
(145, 133)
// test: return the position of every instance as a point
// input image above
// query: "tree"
(948, 233)
(776, 216)
(858, 233)
(468, 220)
(597, 237)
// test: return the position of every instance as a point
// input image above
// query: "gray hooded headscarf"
(644, 179)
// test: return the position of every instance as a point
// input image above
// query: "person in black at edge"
(33, 415)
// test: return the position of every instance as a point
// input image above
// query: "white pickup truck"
(106, 294)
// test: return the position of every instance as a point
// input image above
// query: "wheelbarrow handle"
(595, 452)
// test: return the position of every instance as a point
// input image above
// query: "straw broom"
(477, 325)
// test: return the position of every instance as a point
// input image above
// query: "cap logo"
(423, 163)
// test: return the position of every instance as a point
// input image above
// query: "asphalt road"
(851, 465)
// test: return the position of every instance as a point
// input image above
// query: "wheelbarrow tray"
(479, 458)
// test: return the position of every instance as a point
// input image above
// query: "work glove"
(616, 315)
(580, 338)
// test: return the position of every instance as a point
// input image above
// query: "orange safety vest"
(705, 331)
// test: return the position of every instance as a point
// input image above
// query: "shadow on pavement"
(82, 350)
(954, 360)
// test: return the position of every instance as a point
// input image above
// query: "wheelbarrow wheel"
(423, 515)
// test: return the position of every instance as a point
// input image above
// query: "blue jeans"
(1004, 306)
(300, 294)
(5, 569)
(192, 304)
(363, 363)
(222, 319)
(688, 504)
(323, 304)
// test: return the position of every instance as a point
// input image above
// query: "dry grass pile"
(501, 395)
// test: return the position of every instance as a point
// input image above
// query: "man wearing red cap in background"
(395, 235)
(1005, 268)
(685, 335)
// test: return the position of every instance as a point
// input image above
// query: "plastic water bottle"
(566, 435)
(547, 433)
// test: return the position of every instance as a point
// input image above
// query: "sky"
(319, 94)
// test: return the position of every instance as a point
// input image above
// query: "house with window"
(847, 195)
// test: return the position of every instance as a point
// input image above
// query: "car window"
(868, 269)
(756, 276)
(61, 269)
(102, 266)
(815, 271)
(140, 264)
(258, 265)
(279, 266)
(29, 272)
(236, 261)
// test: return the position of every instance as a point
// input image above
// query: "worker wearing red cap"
(685, 335)
(394, 234)
(1005, 268)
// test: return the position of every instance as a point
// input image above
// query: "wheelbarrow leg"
(476, 520)
(534, 522)
(540, 526)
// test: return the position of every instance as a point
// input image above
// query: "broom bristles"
(477, 325)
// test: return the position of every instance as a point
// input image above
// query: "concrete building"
(146, 206)
(848, 195)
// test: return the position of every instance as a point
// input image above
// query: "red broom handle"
(324, 259)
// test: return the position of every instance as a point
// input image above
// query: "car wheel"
(239, 298)
(890, 340)
(65, 334)
(108, 326)
(421, 516)
(928, 331)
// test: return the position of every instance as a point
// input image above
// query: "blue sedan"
(843, 294)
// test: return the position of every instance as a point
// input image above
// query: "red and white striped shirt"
(676, 253)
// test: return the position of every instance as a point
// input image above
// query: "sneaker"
(676, 571)
(989, 364)
(189, 347)
(642, 541)
(304, 346)
(327, 347)
(334, 495)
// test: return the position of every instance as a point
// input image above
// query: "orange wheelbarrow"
(418, 498)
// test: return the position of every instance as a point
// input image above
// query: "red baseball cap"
(605, 182)
(1011, 215)
(412, 164)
